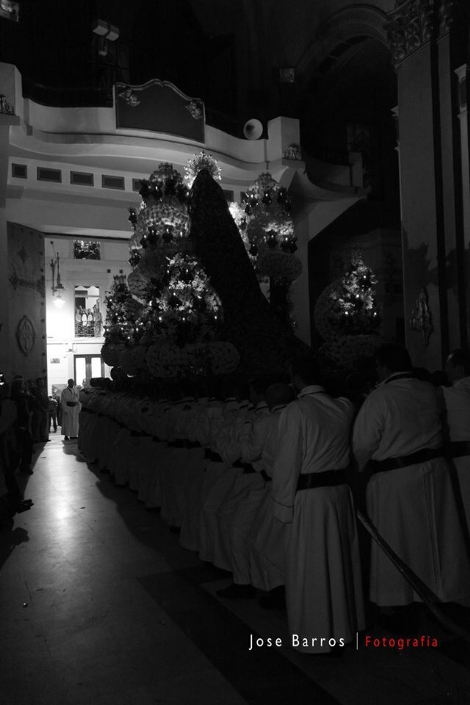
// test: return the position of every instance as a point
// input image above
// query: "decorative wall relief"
(414, 22)
(411, 24)
(25, 335)
(452, 13)
(17, 281)
(196, 109)
(130, 97)
(421, 317)
(26, 301)
(6, 108)
(293, 152)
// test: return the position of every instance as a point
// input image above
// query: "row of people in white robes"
(190, 458)
(209, 465)
(230, 475)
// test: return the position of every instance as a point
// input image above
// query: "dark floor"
(99, 604)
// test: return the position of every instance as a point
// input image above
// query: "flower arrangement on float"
(175, 315)
(268, 209)
(269, 229)
(167, 316)
(121, 311)
(347, 316)
(161, 223)
(183, 307)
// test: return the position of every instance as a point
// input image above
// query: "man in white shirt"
(322, 565)
(410, 497)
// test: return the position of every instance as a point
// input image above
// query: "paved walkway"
(99, 604)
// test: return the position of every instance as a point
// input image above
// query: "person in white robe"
(409, 496)
(456, 404)
(208, 414)
(189, 534)
(239, 510)
(218, 478)
(234, 488)
(70, 410)
(322, 565)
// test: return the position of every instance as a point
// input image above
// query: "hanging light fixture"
(58, 300)
(57, 286)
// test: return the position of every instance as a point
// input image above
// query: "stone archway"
(348, 108)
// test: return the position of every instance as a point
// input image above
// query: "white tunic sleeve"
(287, 464)
(368, 429)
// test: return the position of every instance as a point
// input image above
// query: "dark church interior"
(234, 349)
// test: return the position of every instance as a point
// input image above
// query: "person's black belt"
(457, 449)
(248, 469)
(403, 461)
(192, 444)
(329, 478)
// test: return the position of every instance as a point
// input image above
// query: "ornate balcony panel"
(411, 25)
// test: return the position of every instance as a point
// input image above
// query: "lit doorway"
(86, 367)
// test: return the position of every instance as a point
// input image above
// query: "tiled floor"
(99, 604)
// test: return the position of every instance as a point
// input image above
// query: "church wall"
(465, 177)
(419, 190)
(25, 293)
(5, 335)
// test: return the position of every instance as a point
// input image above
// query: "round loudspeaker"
(253, 129)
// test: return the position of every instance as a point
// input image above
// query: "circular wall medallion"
(25, 335)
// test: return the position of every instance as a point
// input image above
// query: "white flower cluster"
(267, 220)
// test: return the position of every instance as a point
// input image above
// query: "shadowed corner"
(9, 540)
